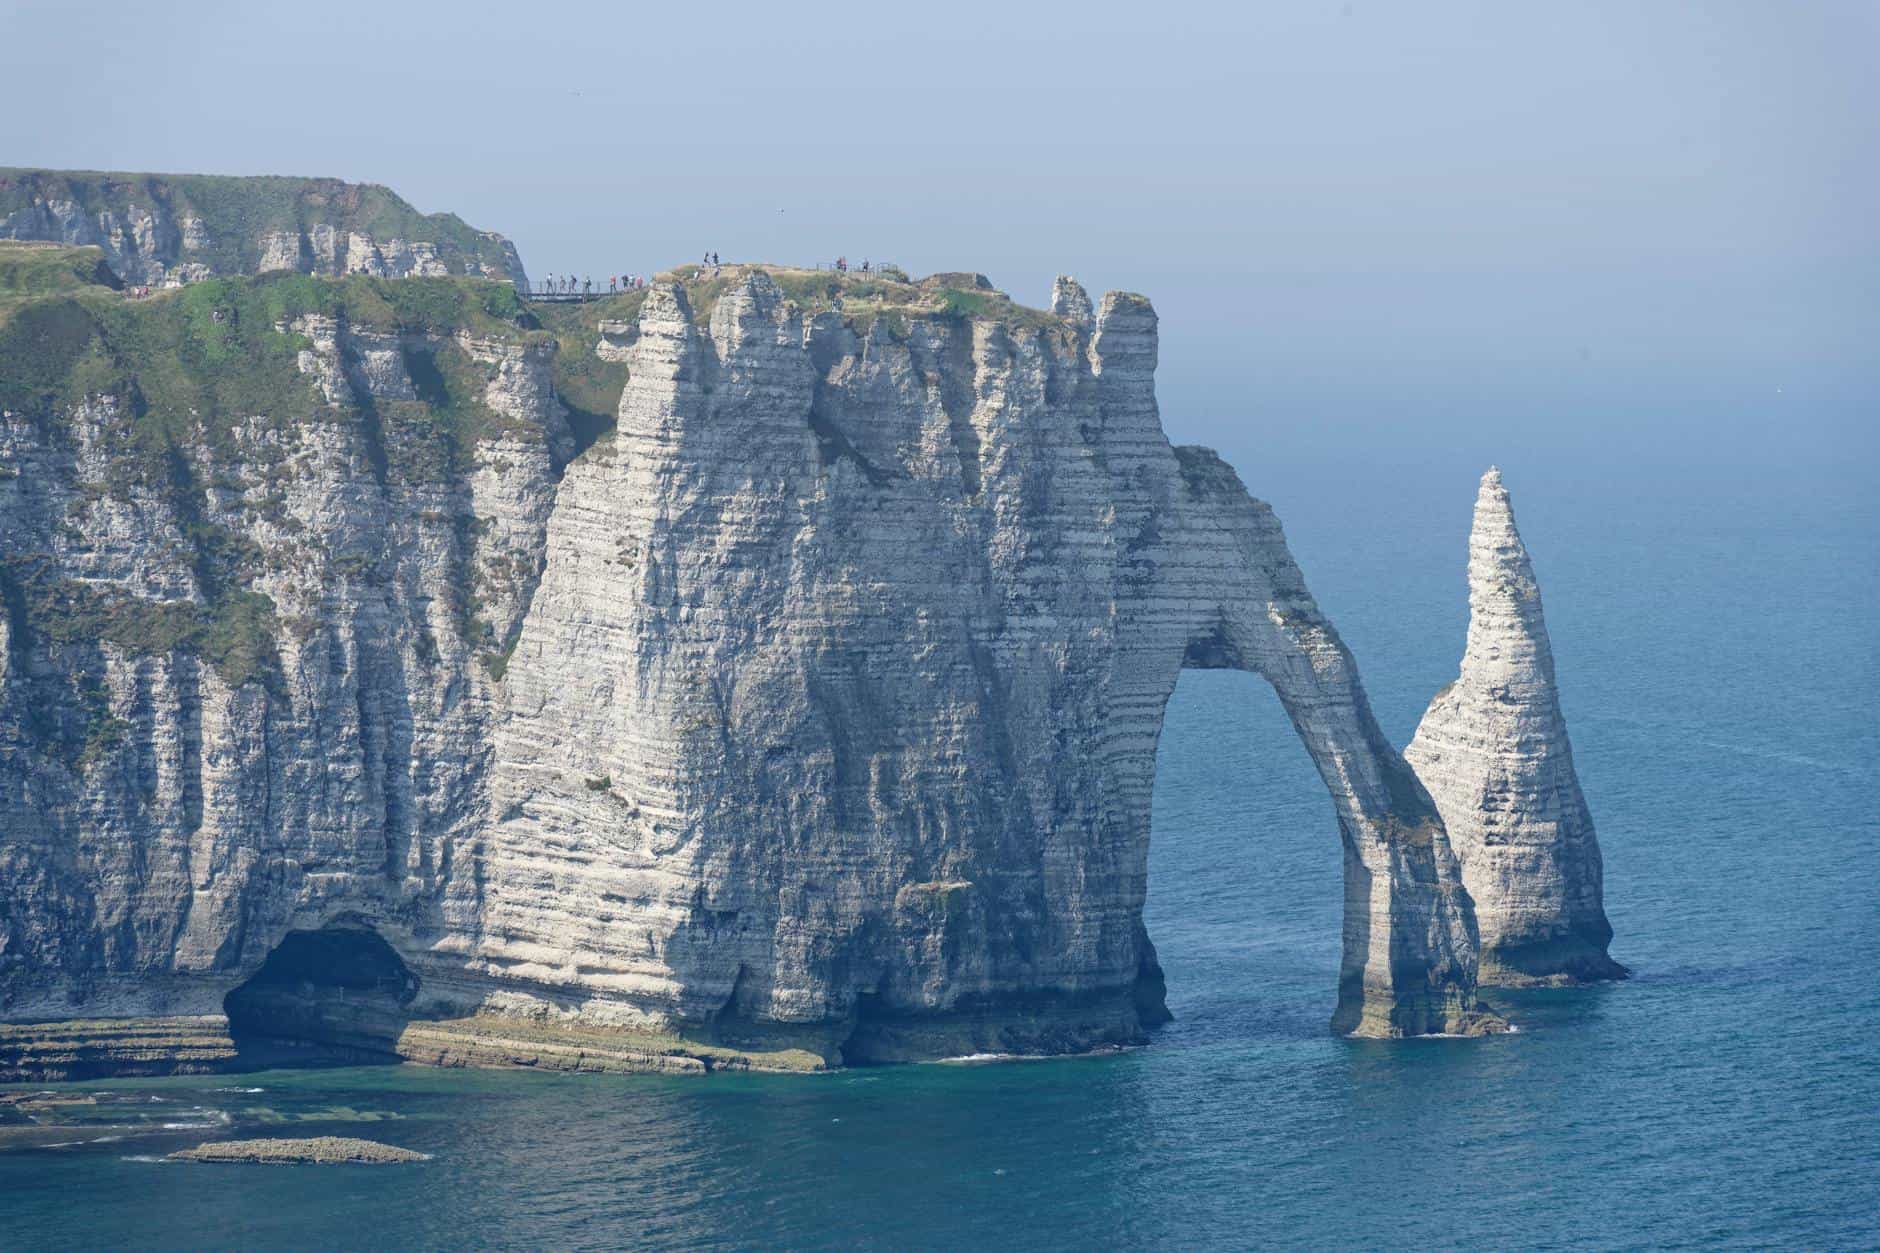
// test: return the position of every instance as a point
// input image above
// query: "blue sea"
(1718, 637)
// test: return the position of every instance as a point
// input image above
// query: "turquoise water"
(1720, 662)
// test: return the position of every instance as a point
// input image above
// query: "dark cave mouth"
(342, 987)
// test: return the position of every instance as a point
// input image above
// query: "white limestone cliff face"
(1492, 749)
(812, 714)
(143, 244)
(164, 819)
(320, 249)
(837, 705)
(151, 234)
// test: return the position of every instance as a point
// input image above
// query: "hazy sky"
(1630, 232)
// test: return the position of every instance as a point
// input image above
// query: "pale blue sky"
(1606, 232)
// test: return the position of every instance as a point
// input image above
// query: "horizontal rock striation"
(808, 717)
(838, 701)
(1492, 749)
(44, 1052)
(246, 657)
(163, 229)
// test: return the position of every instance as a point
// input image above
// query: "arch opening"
(1245, 891)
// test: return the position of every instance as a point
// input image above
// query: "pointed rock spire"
(1070, 301)
(1492, 750)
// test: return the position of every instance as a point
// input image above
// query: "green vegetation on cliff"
(200, 391)
(184, 371)
(591, 387)
(220, 347)
(864, 299)
(587, 385)
(238, 213)
(29, 271)
(233, 630)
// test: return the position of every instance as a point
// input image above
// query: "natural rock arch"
(890, 622)
(1409, 933)
(831, 718)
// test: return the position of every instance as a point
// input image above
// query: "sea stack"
(1492, 750)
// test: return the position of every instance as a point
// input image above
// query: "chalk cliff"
(1493, 751)
(165, 229)
(807, 716)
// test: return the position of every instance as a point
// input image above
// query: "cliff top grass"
(591, 387)
(211, 347)
(237, 211)
(29, 271)
(863, 299)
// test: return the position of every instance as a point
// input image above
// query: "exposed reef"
(315, 1150)
(1493, 751)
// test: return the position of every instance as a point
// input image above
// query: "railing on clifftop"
(569, 297)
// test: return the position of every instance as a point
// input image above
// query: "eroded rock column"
(1492, 750)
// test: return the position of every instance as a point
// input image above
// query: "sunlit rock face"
(809, 716)
(1493, 751)
(838, 701)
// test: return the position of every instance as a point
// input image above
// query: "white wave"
(971, 1059)
(976, 1059)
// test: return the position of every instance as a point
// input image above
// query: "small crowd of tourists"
(709, 267)
(569, 285)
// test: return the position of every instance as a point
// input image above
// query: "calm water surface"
(1720, 662)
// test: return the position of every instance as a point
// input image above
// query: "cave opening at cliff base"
(341, 990)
